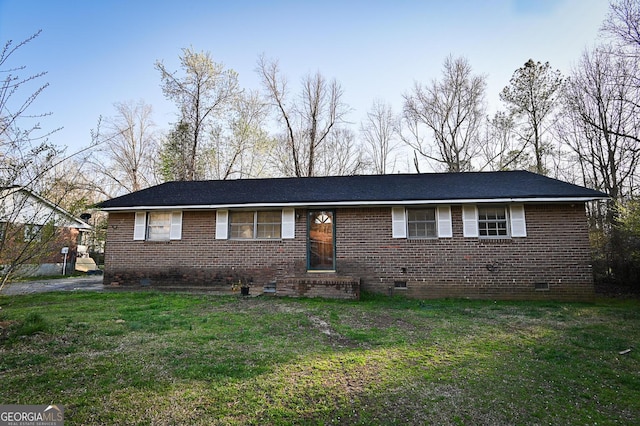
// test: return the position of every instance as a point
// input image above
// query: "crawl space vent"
(541, 286)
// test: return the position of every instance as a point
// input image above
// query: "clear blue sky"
(97, 52)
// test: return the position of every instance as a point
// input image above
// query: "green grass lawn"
(164, 358)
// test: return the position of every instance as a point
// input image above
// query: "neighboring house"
(498, 235)
(34, 233)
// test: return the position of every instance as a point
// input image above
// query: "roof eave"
(358, 203)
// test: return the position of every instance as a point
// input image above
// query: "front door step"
(320, 285)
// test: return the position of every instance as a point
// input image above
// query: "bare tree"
(601, 120)
(452, 110)
(241, 145)
(380, 131)
(308, 122)
(25, 153)
(125, 155)
(600, 124)
(623, 24)
(531, 98)
(500, 150)
(204, 92)
(28, 225)
(340, 155)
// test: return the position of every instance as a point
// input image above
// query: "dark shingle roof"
(353, 190)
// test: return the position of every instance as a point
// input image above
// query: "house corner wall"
(552, 262)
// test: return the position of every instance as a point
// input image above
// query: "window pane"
(421, 223)
(241, 231)
(252, 224)
(269, 224)
(241, 224)
(239, 218)
(159, 226)
(270, 217)
(421, 215)
(492, 221)
(268, 230)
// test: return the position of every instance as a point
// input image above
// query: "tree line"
(582, 127)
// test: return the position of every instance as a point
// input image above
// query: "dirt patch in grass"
(5, 328)
(6, 324)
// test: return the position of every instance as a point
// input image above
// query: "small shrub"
(32, 324)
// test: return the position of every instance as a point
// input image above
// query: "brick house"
(498, 235)
(34, 231)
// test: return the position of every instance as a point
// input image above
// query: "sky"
(98, 52)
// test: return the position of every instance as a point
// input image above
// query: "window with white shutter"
(494, 221)
(421, 222)
(157, 226)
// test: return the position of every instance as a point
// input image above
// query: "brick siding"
(552, 262)
(45, 251)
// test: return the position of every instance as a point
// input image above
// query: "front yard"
(165, 358)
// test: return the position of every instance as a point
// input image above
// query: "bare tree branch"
(453, 110)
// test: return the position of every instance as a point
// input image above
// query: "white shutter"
(222, 227)
(398, 222)
(175, 232)
(443, 216)
(470, 221)
(288, 223)
(518, 222)
(140, 227)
